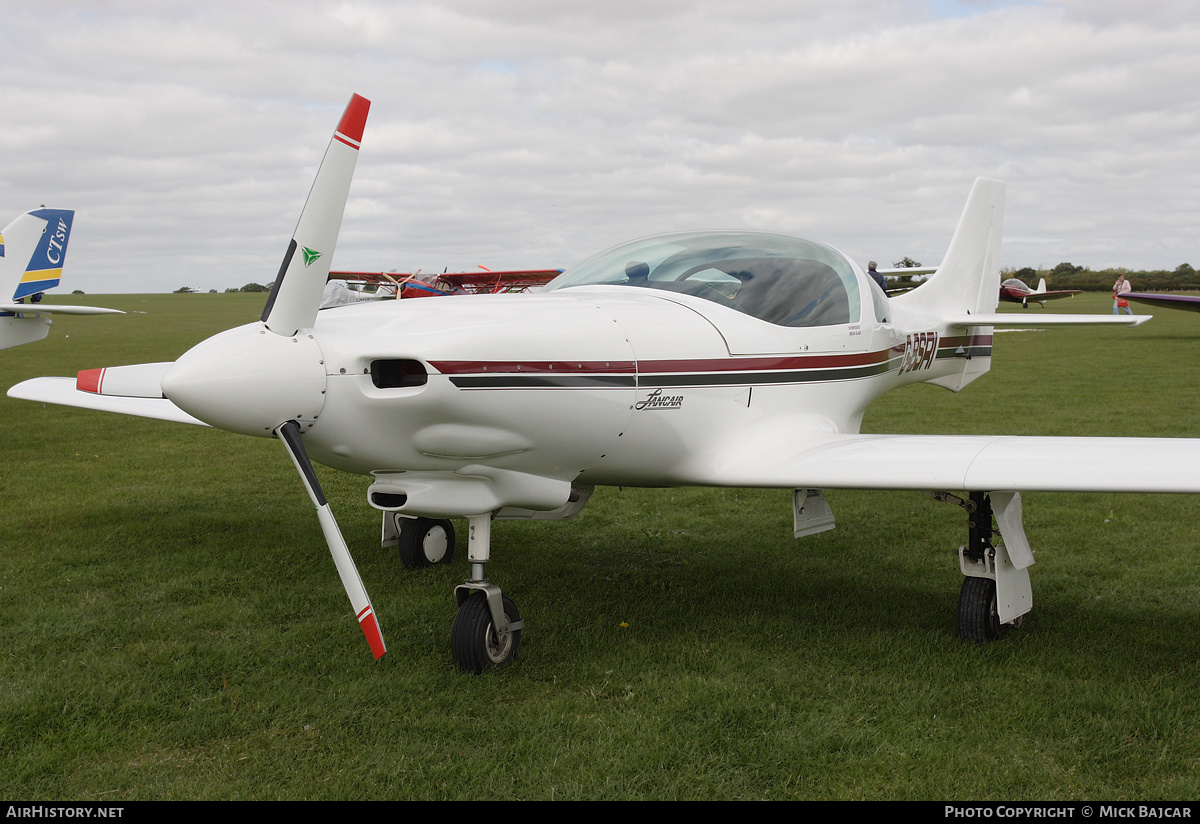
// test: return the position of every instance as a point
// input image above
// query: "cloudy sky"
(533, 133)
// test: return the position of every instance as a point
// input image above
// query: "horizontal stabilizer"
(1013, 320)
(908, 270)
(61, 309)
(62, 391)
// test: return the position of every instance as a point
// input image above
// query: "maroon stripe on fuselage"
(746, 364)
(534, 367)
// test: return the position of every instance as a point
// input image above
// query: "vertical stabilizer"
(33, 249)
(967, 283)
(969, 278)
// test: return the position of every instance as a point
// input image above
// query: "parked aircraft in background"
(1189, 303)
(33, 249)
(1015, 290)
(736, 359)
(418, 285)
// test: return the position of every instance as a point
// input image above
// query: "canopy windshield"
(783, 280)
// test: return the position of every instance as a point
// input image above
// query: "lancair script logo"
(657, 400)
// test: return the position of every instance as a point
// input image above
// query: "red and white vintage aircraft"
(483, 282)
(715, 359)
(33, 250)
(1015, 290)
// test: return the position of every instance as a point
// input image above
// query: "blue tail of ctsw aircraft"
(32, 251)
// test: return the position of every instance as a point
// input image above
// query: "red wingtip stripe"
(90, 380)
(366, 620)
(354, 120)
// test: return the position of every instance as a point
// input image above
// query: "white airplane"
(33, 249)
(714, 359)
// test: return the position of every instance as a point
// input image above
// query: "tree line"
(1183, 278)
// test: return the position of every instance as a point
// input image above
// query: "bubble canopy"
(782, 280)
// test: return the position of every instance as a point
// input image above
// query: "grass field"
(173, 628)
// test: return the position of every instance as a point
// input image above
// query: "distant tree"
(184, 290)
(212, 291)
(1026, 274)
(78, 292)
(1066, 268)
(906, 263)
(255, 287)
(1185, 269)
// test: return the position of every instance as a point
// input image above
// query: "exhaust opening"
(389, 500)
(398, 372)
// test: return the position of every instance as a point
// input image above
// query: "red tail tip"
(354, 119)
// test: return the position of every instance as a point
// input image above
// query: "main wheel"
(978, 619)
(473, 641)
(425, 542)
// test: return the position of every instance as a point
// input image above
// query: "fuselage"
(608, 385)
(647, 382)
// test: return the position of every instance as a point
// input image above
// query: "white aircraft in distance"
(33, 249)
(714, 359)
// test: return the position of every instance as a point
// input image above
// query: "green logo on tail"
(310, 255)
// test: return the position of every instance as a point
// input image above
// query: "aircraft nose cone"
(250, 380)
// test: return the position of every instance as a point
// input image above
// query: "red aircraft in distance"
(455, 283)
(1190, 303)
(1017, 291)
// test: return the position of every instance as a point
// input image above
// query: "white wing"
(960, 462)
(59, 308)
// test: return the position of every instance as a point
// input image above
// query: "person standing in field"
(1121, 288)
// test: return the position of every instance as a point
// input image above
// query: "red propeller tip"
(366, 620)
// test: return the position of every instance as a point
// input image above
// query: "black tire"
(472, 641)
(425, 542)
(978, 620)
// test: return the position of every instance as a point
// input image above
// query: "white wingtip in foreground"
(33, 250)
(712, 359)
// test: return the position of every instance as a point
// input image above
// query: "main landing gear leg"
(995, 592)
(487, 629)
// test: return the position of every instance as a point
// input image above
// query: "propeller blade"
(296, 295)
(289, 433)
(139, 380)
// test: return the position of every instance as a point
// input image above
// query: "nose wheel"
(478, 642)
(487, 629)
